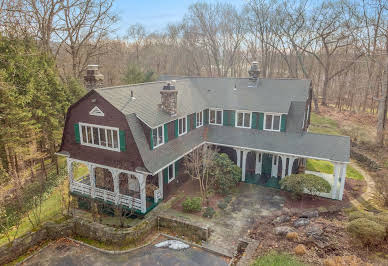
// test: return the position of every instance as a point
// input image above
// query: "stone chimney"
(254, 71)
(169, 98)
(93, 78)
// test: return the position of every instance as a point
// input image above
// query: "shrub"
(299, 183)
(228, 199)
(380, 218)
(222, 205)
(277, 259)
(225, 173)
(192, 204)
(209, 212)
(367, 231)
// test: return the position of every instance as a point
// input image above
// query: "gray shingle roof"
(196, 94)
(295, 117)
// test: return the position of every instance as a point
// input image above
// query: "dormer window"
(182, 126)
(199, 119)
(272, 122)
(100, 136)
(158, 136)
(215, 117)
(243, 119)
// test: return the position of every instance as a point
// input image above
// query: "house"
(131, 139)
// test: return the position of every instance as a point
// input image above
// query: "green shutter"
(195, 120)
(188, 123)
(176, 128)
(123, 145)
(76, 131)
(284, 122)
(226, 118)
(151, 140)
(165, 133)
(165, 175)
(177, 167)
(261, 121)
(232, 118)
(254, 120)
(206, 116)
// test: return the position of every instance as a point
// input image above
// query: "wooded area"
(46, 45)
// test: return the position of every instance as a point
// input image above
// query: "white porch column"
(275, 166)
(142, 184)
(160, 183)
(92, 179)
(244, 162)
(258, 163)
(238, 152)
(284, 160)
(116, 185)
(290, 164)
(343, 177)
(70, 173)
(335, 181)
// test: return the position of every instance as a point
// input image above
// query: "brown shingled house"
(131, 139)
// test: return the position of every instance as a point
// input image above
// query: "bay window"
(182, 126)
(199, 119)
(100, 136)
(243, 119)
(158, 136)
(215, 116)
(272, 122)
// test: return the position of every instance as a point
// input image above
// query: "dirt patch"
(334, 240)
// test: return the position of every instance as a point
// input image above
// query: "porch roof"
(307, 145)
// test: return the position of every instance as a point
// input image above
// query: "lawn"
(324, 125)
(277, 259)
(328, 168)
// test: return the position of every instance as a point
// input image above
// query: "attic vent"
(96, 111)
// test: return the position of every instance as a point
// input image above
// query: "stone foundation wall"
(183, 228)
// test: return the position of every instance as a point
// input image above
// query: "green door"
(266, 167)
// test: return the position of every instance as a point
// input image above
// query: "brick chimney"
(169, 98)
(254, 71)
(93, 78)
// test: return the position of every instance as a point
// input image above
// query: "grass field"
(277, 259)
(324, 125)
(328, 168)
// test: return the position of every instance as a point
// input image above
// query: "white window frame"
(173, 172)
(81, 124)
(215, 116)
(157, 129)
(183, 132)
(273, 114)
(244, 113)
(200, 114)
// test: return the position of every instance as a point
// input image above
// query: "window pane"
(180, 126)
(268, 122)
(154, 137)
(89, 129)
(219, 117)
(102, 137)
(276, 122)
(115, 139)
(170, 171)
(95, 136)
(200, 116)
(184, 125)
(240, 119)
(212, 116)
(160, 135)
(109, 133)
(83, 128)
(247, 118)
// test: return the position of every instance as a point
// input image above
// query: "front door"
(266, 164)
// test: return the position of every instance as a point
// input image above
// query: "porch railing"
(157, 195)
(106, 195)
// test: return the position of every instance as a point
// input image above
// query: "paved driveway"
(250, 204)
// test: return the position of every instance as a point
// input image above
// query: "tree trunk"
(324, 88)
(382, 112)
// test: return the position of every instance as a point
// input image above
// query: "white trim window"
(158, 136)
(170, 173)
(100, 136)
(215, 117)
(243, 119)
(199, 119)
(182, 126)
(272, 122)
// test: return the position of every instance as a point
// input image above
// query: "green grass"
(51, 211)
(328, 168)
(79, 170)
(277, 259)
(324, 125)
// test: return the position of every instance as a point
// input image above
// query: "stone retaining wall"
(363, 159)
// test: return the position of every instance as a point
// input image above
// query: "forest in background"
(46, 45)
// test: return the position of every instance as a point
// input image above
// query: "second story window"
(182, 126)
(215, 116)
(100, 136)
(158, 136)
(243, 119)
(272, 122)
(199, 119)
